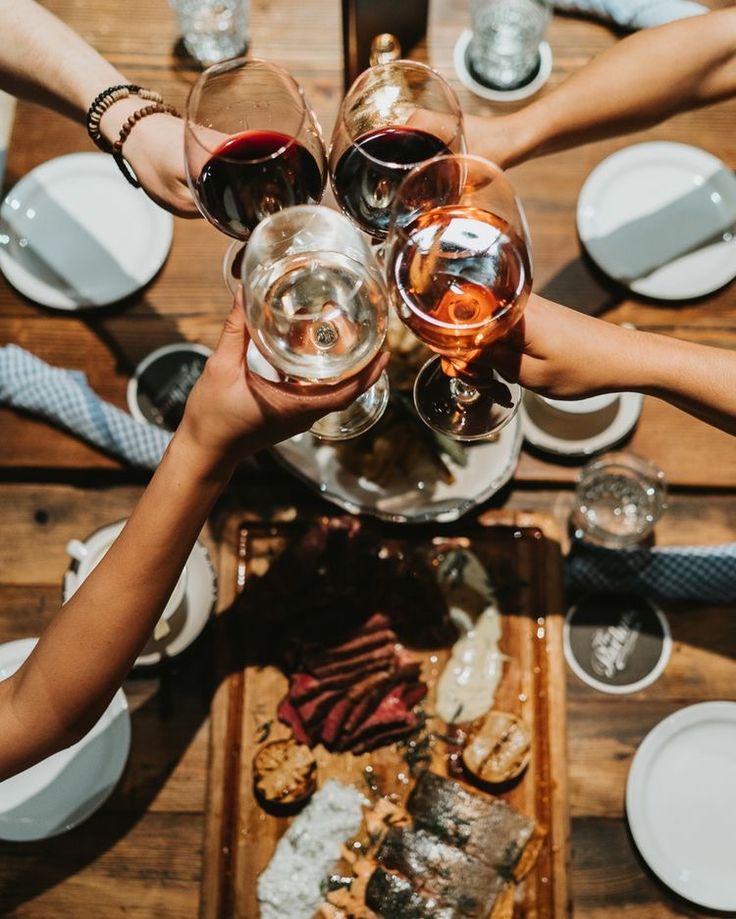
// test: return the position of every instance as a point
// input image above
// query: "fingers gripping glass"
(252, 147)
(316, 308)
(459, 269)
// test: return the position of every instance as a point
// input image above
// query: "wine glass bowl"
(394, 116)
(252, 146)
(459, 269)
(316, 307)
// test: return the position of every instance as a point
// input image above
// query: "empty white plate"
(681, 803)
(660, 218)
(74, 234)
(64, 789)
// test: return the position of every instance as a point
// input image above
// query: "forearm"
(87, 650)
(558, 352)
(698, 379)
(640, 81)
(42, 60)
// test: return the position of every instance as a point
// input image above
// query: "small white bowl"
(89, 555)
(573, 419)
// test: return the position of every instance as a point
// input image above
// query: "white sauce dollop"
(289, 888)
(468, 684)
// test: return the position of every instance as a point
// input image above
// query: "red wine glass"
(458, 264)
(252, 147)
(394, 116)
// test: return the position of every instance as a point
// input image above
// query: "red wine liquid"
(247, 178)
(369, 172)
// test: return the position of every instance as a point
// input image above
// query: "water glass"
(504, 50)
(619, 498)
(213, 30)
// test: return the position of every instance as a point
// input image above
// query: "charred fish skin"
(441, 872)
(486, 828)
(393, 897)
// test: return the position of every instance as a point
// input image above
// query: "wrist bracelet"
(105, 100)
(117, 148)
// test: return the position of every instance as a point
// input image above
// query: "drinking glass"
(459, 268)
(394, 116)
(316, 308)
(212, 30)
(252, 147)
(504, 50)
(619, 498)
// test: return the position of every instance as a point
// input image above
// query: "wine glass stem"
(462, 393)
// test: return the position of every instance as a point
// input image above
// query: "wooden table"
(141, 855)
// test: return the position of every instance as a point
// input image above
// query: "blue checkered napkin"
(706, 573)
(633, 14)
(65, 398)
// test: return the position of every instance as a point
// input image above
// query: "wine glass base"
(358, 417)
(479, 418)
(232, 264)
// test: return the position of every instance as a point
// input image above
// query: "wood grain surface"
(141, 855)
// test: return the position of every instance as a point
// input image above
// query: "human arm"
(84, 654)
(561, 353)
(44, 61)
(640, 81)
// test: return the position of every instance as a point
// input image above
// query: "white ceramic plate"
(660, 218)
(188, 621)
(681, 803)
(63, 790)
(413, 500)
(74, 234)
(630, 405)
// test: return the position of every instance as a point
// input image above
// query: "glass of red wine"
(316, 307)
(394, 116)
(459, 268)
(252, 147)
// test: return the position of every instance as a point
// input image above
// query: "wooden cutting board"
(523, 555)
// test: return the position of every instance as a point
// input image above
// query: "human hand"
(155, 151)
(558, 352)
(497, 138)
(232, 412)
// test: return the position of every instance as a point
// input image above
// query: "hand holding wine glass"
(316, 308)
(393, 117)
(252, 147)
(459, 266)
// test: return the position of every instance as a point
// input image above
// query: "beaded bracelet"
(128, 125)
(105, 100)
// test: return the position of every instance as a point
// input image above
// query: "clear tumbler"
(504, 49)
(213, 30)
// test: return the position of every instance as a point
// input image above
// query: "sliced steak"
(403, 673)
(391, 715)
(308, 690)
(359, 644)
(289, 715)
(387, 736)
(413, 693)
(384, 652)
(372, 688)
(312, 712)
